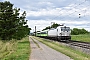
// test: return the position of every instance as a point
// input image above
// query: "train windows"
(62, 29)
(43, 33)
(65, 29)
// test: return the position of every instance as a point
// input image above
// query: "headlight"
(60, 33)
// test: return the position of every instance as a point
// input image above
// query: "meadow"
(15, 49)
(83, 37)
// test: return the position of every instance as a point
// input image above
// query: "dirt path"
(44, 52)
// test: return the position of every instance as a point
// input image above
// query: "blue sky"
(40, 13)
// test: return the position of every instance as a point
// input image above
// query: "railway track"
(79, 44)
(85, 45)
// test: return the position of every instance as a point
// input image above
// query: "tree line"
(12, 25)
(55, 25)
(76, 31)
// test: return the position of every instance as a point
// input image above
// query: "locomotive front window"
(65, 29)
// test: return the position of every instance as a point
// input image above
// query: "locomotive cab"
(64, 33)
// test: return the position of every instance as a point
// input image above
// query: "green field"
(83, 38)
(15, 49)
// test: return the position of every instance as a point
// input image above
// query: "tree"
(76, 31)
(83, 31)
(12, 25)
(55, 25)
(46, 28)
(52, 26)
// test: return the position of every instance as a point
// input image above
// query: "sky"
(41, 13)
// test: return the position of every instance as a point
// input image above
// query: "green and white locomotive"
(61, 33)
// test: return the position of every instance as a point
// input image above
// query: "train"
(61, 33)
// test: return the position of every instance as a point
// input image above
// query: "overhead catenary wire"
(79, 14)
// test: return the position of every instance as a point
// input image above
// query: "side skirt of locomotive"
(64, 38)
(57, 38)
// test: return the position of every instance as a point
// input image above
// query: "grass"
(74, 54)
(83, 38)
(15, 49)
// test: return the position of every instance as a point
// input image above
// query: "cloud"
(65, 13)
(42, 12)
